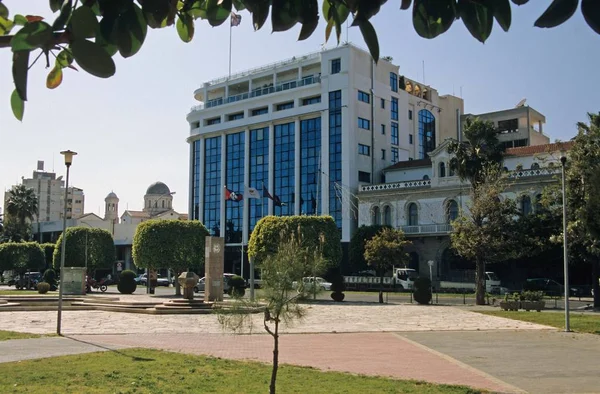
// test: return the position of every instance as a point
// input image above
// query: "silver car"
(202, 283)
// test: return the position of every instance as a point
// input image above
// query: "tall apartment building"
(310, 130)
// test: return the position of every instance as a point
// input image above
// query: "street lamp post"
(68, 161)
(563, 161)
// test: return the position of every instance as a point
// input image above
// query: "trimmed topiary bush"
(50, 278)
(337, 287)
(422, 290)
(127, 283)
(43, 287)
(237, 286)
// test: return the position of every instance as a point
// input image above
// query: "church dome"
(111, 195)
(158, 188)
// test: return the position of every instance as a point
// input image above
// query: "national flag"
(266, 193)
(251, 192)
(233, 196)
(276, 200)
(236, 19)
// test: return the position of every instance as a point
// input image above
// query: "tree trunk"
(381, 287)
(479, 281)
(177, 285)
(595, 285)
(275, 357)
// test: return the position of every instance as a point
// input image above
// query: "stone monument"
(188, 280)
(214, 264)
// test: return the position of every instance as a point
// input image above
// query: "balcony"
(427, 229)
(263, 91)
(396, 185)
(533, 172)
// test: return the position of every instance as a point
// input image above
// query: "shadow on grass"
(117, 351)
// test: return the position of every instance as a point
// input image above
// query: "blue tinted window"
(364, 150)
(335, 155)
(394, 134)
(213, 189)
(410, 139)
(234, 180)
(213, 121)
(394, 110)
(284, 179)
(364, 97)
(395, 155)
(364, 124)
(426, 133)
(260, 111)
(310, 154)
(259, 174)
(282, 106)
(394, 82)
(336, 66)
(311, 100)
(195, 214)
(239, 115)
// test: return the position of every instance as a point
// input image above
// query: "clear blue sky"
(130, 130)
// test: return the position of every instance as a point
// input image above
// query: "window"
(213, 121)
(239, 115)
(382, 103)
(535, 166)
(282, 106)
(452, 167)
(395, 155)
(260, 111)
(195, 125)
(364, 150)
(525, 205)
(382, 129)
(387, 215)
(508, 126)
(413, 214)
(311, 100)
(364, 124)
(213, 188)
(364, 177)
(284, 171)
(410, 114)
(394, 108)
(259, 173)
(395, 139)
(383, 154)
(451, 211)
(364, 97)
(310, 154)
(376, 219)
(394, 82)
(335, 155)
(426, 133)
(234, 179)
(410, 139)
(442, 173)
(336, 66)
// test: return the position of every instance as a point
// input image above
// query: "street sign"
(119, 267)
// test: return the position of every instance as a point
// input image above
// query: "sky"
(130, 130)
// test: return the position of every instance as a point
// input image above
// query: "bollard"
(464, 298)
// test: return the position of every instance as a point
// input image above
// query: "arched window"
(387, 215)
(452, 169)
(413, 214)
(451, 211)
(163, 203)
(535, 166)
(442, 170)
(525, 205)
(376, 217)
(426, 133)
(425, 177)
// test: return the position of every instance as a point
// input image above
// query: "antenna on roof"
(521, 103)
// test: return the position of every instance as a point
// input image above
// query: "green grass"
(7, 335)
(579, 322)
(18, 293)
(153, 371)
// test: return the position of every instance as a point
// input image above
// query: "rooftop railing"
(396, 185)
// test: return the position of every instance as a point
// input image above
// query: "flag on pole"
(266, 193)
(276, 200)
(251, 192)
(236, 19)
(233, 196)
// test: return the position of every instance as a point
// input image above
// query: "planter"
(509, 305)
(338, 296)
(533, 305)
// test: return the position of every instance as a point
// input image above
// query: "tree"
(385, 250)
(84, 244)
(21, 208)
(280, 270)
(312, 231)
(48, 249)
(487, 234)
(21, 257)
(357, 246)
(172, 244)
(121, 26)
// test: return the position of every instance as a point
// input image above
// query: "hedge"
(21, 256)
(100, 248)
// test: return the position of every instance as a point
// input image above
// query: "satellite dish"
(521, 103)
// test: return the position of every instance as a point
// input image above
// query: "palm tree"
(476, 156)
(21, 206)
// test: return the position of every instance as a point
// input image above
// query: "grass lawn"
(580, 322)
(153, 371)
(17, 293)
(6, 335)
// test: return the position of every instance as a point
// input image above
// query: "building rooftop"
(158, 188)
(536, 149)
(410, 164)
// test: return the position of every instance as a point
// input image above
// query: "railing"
(533, 172)
(258, 92)
(396, 185)
(427, 229)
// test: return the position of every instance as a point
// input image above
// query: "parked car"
(160, 281)
(201, 286)
(550, 287)
(28, 281)
(308, 282)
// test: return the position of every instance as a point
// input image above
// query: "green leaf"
(502, 13)
(284, 15)
(370, 37)
(3, 11)
(405, 4)
(591, 12)
(156, 11)
(131, 31)
(32, 35)
(111, 49)
(63, 17)
(83, 23)
(64, 59)
(239, 5)
(433, 17)
(478, 19)
(309, 17)
(55, 5)
(6, 25)
(93, 58)
(185, 27)
(520, 2)
(20, 20)
(20, 69)
(218, 11)
(328, 29)
(259, 10)
(557, 13)
(336, 15)
(54, 78)
(17, 105)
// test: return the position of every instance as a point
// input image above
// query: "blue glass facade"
(213, 190)
(426, 133)
(259, 174)
(283, 176)
(335, 154)
(234, 179)
(195, 214)
(310, 152)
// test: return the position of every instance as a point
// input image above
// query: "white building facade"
(310, 130)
